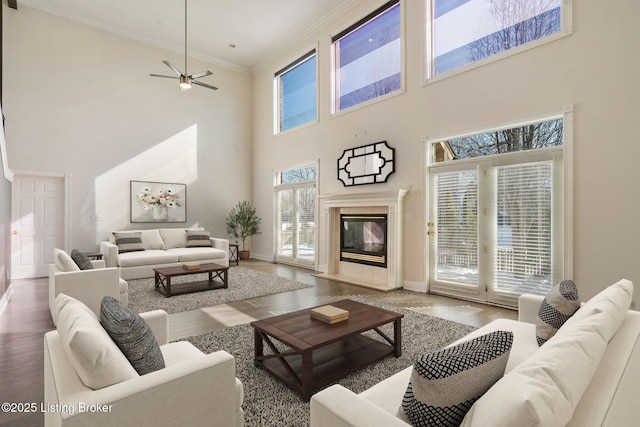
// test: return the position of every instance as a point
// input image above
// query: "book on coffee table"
(191, 266)
(329, 314)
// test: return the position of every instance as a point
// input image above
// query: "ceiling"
(259, 29)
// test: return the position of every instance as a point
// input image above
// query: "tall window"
(368, 58)
(296, 215)
(296, 93)
(497, 205)
(466, 31)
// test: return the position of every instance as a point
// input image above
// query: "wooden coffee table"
(318, 353)
(165, 274)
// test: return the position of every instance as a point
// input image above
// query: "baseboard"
(4, 301)
(415, 286)
(262, 257)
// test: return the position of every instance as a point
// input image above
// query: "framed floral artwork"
(158, 202)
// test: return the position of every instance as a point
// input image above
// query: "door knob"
(15, 232)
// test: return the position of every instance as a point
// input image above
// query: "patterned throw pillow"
(132, 335)
(198, 239)
(445, 384)
(557, 307)
(128, 242)
(81, 259)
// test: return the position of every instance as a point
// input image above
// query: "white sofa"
(585, 375)
(88, 286)
(194, 389)
(163, 247)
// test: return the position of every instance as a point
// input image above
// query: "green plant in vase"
(242, 222)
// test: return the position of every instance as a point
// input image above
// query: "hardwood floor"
(27, 318)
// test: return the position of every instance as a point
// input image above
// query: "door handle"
(15, 232)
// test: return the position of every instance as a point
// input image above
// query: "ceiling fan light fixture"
(185, 82)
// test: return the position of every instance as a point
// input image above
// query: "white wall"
(79, 100)
(594, 69)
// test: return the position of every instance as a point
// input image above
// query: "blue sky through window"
(298, 95)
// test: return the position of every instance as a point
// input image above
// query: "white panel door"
(37, 224)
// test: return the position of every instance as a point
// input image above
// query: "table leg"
(258, 350)
(397, 337)
(226, 278)
(307, 375)
(168, 286)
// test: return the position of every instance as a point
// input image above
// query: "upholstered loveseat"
(88, 381)
(137, 252)
(585, 375)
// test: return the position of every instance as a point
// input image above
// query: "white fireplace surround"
(331, 205)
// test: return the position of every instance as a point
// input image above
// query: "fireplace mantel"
(389, 202)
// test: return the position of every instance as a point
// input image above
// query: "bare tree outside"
(515, 22)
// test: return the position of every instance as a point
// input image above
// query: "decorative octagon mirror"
(368, 164)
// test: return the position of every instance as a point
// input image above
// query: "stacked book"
(191, 266)
(329, 314)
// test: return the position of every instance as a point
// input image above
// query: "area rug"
(267, 402)
(243, 283)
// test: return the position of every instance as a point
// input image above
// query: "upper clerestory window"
(367, 58)
(463, 32)
(295, 89)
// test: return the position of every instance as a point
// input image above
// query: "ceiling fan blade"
(195, 82)
(202, 74)
(166, 77)
(175, 70)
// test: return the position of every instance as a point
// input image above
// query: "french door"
(496, 227)
(494, 234)
(296, 224)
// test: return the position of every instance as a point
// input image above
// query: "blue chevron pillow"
(445, 384)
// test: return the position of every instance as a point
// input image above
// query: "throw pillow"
(64, 261)
(196, 239)
(81, 260)
(560, 303)
(128, 242)
(132, 335)
(92, 353)
(445, 384)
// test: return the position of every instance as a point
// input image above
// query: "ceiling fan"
(186, 80)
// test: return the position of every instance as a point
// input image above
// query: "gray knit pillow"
(557, 307)
(445, 384)
(132, 335)
(81, 259)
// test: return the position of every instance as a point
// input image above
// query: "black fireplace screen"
(363, 239)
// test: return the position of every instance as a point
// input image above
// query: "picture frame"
(158, 202)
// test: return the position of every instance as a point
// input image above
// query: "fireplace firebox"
(363, 239)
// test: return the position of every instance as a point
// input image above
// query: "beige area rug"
(244, 283)
(269, 403)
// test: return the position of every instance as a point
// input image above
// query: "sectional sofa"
(137, 252)
(585, 375)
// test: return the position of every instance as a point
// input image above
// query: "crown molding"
(308, 32)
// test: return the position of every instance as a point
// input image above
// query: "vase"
(160, 213)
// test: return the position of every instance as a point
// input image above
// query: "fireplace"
(384, 272)
(363, 239)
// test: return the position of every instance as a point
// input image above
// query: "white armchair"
(193, 389)
(88, 286)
